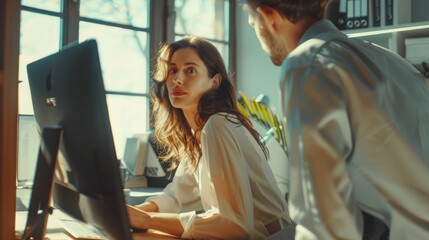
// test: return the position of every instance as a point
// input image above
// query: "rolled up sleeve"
(321, 201)
(229, 210)
(181, 195)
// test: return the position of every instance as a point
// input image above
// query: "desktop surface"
(56, 228)
(56, 231)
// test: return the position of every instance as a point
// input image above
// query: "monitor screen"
(67, 91)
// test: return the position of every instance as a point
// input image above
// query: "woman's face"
(187, 79)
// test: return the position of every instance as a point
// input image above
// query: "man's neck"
(292, 32)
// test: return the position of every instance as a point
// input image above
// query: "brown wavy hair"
(294, 10)
(172, 131)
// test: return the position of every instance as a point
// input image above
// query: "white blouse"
(233, 186)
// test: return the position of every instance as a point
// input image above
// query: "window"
(213, 24)
(128, 33)
(121, 28)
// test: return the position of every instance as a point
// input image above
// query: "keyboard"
(78, 230)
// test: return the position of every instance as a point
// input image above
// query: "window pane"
(129, 12)
(128, 116)
(206, 18)
(224, 50)
(51, 5)
(40, 36)
(123, 56)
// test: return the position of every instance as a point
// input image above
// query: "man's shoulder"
(314, 51)
(304, 54)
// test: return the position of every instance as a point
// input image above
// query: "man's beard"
(275, 48)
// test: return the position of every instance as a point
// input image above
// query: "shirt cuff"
(162, 203)
(187, 220)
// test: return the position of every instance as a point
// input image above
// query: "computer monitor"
(68, 93)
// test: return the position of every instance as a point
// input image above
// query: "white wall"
(256, 74)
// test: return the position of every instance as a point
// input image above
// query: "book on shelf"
(355, 14)
(389, 12)
(336, 12)
(401, 11)
(397, 12)
(349, 14)
(375, 13)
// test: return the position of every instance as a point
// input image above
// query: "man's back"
(390, 122)
(366, 106)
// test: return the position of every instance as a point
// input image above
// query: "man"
(357, 123)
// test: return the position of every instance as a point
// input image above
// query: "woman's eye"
(191, 70)
(172, 71)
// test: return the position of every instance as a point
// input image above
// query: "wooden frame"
(9, 32)
(9, 63)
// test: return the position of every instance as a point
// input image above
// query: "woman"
(223, 187)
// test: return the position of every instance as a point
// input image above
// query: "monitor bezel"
(68, 91)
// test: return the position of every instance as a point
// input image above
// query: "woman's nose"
(178, 78)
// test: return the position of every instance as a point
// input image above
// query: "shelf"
(410, 20)
(419, 28)
(393, 37)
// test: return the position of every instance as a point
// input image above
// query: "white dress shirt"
(234, 186)
(358, 124)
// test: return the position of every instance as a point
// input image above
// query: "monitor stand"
(39, 208)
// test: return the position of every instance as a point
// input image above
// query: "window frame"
(161, 16)
(161, 24)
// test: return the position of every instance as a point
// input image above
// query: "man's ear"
(217, 80)
(269, 15)
(266, 12)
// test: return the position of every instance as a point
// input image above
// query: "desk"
(55, 231)
(153, 235)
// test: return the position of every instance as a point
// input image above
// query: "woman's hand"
(138, 218)
(164, 222)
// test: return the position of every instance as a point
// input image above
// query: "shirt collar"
(323, 29)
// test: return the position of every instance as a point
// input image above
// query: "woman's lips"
(178, 92)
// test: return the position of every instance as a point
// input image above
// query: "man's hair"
(293, 10)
